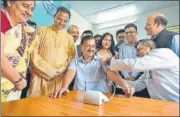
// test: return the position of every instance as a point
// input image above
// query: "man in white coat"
(162, 66)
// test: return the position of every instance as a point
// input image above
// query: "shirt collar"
(82, 60)
(129, 44)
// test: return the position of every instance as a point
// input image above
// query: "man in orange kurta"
(53, 52)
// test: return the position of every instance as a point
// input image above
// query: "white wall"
(172, 14)
(79, 21)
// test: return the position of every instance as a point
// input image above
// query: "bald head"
(158, 18)
(156, 14)
(156, 22)
(73, 30)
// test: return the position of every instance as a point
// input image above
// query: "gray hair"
(161, 19)
(147, 43)
(71, 28)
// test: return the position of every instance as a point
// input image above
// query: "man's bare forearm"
(68, 78)
(113, 75)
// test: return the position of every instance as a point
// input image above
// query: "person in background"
(86, 32)
(128, 50)
(14, 52)
(156, 28)
(106, 46)
(89, 72)
(73, 30)
(106, 51)
(162, 70)
(53, 52)
(97, 37)
(121, 38)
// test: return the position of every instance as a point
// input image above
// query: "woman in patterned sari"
(15, 45)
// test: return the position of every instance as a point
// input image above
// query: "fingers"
(129, 91)
(64, 92)
(132, 91)
(56, 94)
(51, 95)
(21, 85)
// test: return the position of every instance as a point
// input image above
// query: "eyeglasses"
(90, 46)
(139, 49)
(130, 32)
(121, 37)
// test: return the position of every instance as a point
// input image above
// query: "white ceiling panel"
(86, 8)
(98, 12)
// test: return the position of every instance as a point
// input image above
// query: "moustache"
(75, 36)
(90, 51)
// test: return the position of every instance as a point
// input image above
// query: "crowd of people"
(46, 60)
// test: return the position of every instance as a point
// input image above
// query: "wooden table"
(72, 105)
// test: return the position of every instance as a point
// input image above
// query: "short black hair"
(85, 38)
(120, 31)
(62, 9)
(87, 31)
(97, 35)
(130, 25)
(161, 19)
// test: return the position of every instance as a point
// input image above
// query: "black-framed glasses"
(130, 32)
(121, 37)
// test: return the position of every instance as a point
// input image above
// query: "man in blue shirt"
(89, 72)
(156, 27)
(121, 38)
(128, 50)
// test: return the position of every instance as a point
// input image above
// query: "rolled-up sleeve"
(148, 62)
(73, 65)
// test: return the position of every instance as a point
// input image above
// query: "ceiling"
(86, 8)
(97, 12)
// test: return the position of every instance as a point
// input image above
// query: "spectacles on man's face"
(130, 32)
(139, 49)
(89, 46)
(121, 37)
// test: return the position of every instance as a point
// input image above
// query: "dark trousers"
(71, 85)
(25, 90)
(144, 93)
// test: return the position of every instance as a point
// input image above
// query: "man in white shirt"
(163, 66)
